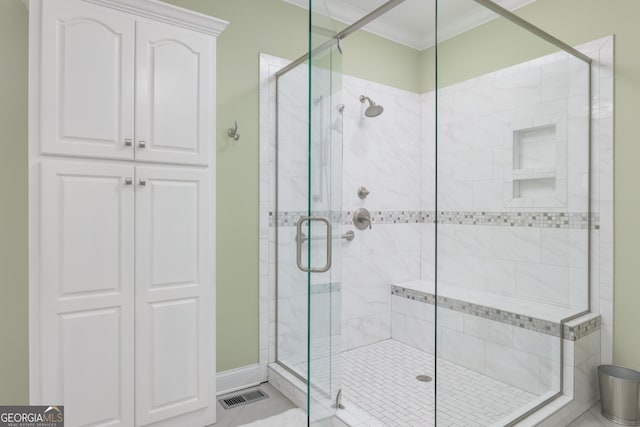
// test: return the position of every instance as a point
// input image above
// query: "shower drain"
(424, 378)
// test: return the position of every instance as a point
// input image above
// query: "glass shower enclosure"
(442, 297)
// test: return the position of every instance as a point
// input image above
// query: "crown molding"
(421, 36)
(170, 14)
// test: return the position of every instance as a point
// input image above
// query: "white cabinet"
(102, 68)
(86, 86)
(173, 94)
(121, 212)
(99, 298)
(172, 262)
(86, 290)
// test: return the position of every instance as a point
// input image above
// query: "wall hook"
(233, 132)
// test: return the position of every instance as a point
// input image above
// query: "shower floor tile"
(381, 379)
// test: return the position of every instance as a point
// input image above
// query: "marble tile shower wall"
(383, 155)
(479, 120)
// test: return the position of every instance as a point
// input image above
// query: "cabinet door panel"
(174, 300)
(173, 94)
(87, 80)
(87, 291)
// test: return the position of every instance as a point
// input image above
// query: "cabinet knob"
(128, 142)
(128, 181)
(142, 181)
(142, 144)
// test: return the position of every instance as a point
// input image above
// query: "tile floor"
(593, 418)
(275, 404)
(381, 379)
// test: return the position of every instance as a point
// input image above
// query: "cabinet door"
(174, 75)
(87, 73)
(86, 291)
(175, 364)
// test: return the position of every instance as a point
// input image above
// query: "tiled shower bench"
(511, 340)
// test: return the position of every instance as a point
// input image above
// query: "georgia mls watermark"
(31, 416)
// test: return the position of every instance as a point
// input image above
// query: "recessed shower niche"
(537, 173)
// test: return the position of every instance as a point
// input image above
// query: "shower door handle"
(299, 242)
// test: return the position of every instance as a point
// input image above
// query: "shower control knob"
(362, 219)
(363, 192)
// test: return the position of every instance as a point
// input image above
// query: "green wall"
(392, 64)
(14, 324)
(255, 26)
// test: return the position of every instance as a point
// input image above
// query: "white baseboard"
(240, 378)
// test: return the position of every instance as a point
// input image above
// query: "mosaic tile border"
(576, 220)
(573, 220)
(547, 327)
(576, 332)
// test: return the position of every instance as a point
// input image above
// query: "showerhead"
(373, 110)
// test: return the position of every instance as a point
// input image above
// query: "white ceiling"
(412, 23)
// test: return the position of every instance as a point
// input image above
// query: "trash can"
(620, 394)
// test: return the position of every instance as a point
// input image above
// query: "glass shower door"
(308, 218)
(323, 226)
